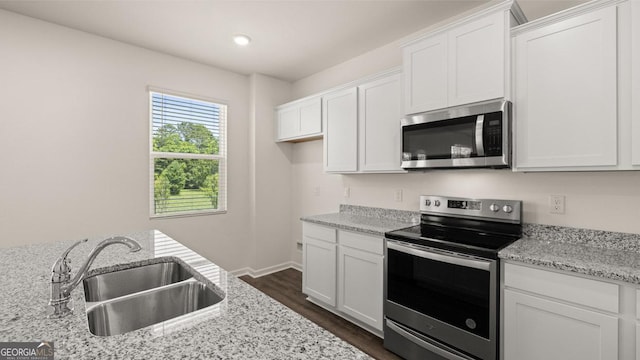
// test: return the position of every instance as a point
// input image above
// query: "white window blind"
(188, 155)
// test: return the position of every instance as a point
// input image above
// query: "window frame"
(221, 157)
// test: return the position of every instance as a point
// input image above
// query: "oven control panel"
(489, 209)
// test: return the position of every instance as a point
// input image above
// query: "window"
(188, 155)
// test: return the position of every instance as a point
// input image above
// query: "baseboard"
(266, 271)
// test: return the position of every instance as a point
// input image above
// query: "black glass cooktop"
(480, 238)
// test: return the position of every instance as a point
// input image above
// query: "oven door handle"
(455, 260)
(416, 340)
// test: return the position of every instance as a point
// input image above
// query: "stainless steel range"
(441, 279)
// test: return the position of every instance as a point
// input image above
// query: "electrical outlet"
(347, 192)
(556, 204)
(398, 195)
(316, 191)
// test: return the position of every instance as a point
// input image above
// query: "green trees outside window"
(185, 153)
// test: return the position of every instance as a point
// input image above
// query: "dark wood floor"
(286, 287)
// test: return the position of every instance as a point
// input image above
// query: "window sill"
(186, 214)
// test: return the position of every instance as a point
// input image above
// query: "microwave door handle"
(480, 134)
(454, 260)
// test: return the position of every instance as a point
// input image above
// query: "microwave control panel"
(493, 134)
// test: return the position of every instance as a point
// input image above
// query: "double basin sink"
(121, 301)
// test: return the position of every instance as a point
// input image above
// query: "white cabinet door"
(319, 270)
(425, 74)
(635, 82)
(566, 93)
(360, 276)
(380, 111)
(535, 328)
(299, 120)
(340, 118)
(288, 122)
(477, 60)
(637, 341)
(311, 117)
(465, 64)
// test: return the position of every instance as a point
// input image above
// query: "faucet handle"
(61, 270)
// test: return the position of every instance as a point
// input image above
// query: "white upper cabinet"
(570, 91)
(425, 74)
(362, 126)
(311, 118)
(465, 62)
(340, 119)
(477, 60)
(379, 114)
(299, 121)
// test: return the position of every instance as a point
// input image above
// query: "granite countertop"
(374, 221)
(247, 324)
(603, 254)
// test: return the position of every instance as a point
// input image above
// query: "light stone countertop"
(374, 221)
(603, 254)
(247, 324)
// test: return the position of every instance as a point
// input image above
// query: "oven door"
(447, 298)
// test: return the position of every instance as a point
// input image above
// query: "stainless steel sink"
(121, 301)
(139, 310)
(119, 283)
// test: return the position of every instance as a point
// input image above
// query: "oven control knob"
(428, 202)
(436, 203)
(494, 207)
(507, 208)
(471, 324)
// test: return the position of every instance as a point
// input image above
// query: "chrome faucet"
(61, 282)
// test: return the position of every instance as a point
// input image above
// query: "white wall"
(377, 60)
(270, 186)
(74, 139)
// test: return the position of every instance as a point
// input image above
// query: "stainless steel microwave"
(470, 136)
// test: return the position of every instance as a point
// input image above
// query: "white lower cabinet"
(637, 337)
(360, 285)
(319, 259)
(350, 284)
(553, 315)
(537, 328)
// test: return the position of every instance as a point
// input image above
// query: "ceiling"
(291, 39)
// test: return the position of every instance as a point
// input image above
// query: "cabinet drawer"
(575, 289)
(319, 232)
(362, 242)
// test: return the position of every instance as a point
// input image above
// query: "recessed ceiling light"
(241, 40)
